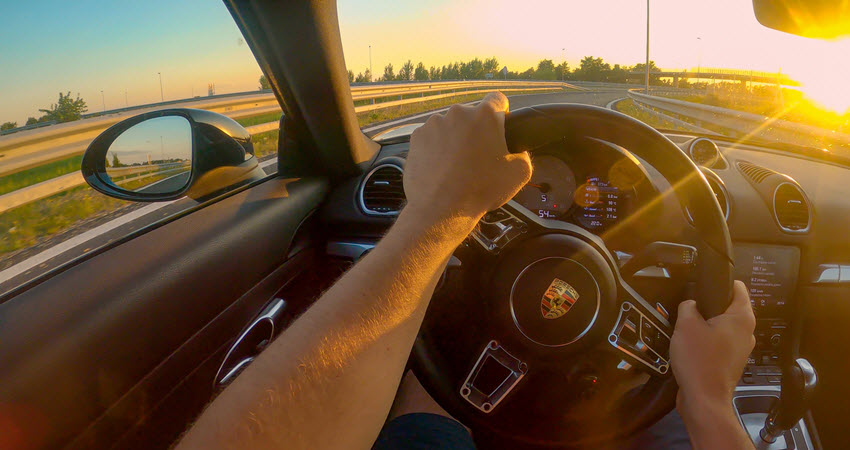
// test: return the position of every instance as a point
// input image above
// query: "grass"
(38, 174)
(34, 222)
(628, 108)
(395, 112)
(262, 118)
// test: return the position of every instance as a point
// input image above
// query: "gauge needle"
(538, 186)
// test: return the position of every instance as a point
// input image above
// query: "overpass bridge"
(742, 76)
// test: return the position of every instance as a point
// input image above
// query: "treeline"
(589, 69)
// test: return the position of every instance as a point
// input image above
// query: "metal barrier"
(63, 140)
(739, 123)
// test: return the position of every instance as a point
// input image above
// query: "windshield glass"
(765, 84)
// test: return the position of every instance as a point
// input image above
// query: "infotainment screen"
(770, 273)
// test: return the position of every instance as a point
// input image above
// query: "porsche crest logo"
(558, 299)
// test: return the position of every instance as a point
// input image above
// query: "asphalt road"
(92, 234)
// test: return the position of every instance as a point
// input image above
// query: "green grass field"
(38, 174)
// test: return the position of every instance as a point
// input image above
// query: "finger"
(520, 164)
(496, 101)
(688, 312)
(740, 304)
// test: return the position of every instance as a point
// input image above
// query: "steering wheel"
(546, 344)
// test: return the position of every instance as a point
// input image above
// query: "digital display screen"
(770, 273)
(600, 203)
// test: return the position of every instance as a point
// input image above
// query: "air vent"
(791, 208)
(382, 193)
(754, 172)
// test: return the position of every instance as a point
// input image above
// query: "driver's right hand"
(708, 356)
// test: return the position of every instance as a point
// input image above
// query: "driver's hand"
(708, 356)
(459, 163)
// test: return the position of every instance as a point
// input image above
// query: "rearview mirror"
(823, 19)
(164, 155)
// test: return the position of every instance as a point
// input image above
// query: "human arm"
(330, 379)
(708, 357)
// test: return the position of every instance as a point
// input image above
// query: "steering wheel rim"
(531, 128)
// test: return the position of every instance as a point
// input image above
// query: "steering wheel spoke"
(493, 377)
(642, 333)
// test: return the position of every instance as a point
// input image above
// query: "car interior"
(124, 346)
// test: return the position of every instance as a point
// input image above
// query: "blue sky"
(89, 46)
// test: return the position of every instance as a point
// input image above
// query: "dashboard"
(786, 215)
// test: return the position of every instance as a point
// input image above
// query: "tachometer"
(549, 194)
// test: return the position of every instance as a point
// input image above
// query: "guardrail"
(739, 123)
(25, 149)
(73, 138)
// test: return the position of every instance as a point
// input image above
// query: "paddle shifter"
(798, 385)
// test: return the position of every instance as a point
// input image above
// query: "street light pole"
(371, 74)
(646, 89)
(162, 97)
(699, 56)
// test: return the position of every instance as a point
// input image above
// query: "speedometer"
(549, 194)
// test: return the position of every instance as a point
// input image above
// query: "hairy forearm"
(329, 381)
(711, 424)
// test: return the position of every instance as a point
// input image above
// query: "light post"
(162, 97)
(646, 89)
(699, 56)
(371, 74)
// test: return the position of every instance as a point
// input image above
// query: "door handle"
(250, 343)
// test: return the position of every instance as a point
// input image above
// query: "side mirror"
(168, 154)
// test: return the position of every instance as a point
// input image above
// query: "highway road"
(76, 242)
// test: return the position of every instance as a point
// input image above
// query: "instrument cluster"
(595, 196)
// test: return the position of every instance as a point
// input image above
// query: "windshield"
(764, 84)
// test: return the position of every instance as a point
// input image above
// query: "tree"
(31, 120)
(363, 77)
(562, 72)
(491, 65)
(641, 68)
(389, 73)
(406, 71)
(8, 126)
(115, 161)
(592, 69)
(66, 109)
(434, 73)
(350, 76)
(527, 75)
(545, 70)
(421, 73)
(473, 70)
(264, 83)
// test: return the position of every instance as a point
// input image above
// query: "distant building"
(504, 72)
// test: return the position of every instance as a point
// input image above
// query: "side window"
(75, 70)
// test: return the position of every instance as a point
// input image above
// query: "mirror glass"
(152, 157)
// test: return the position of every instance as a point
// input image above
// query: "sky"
(120, 47)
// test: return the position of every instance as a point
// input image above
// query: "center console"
(770, 273)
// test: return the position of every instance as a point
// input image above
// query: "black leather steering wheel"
(549, 345)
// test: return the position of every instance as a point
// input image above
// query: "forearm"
(331, 378)
(712, 424)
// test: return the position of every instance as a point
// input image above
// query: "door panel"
(117, 333)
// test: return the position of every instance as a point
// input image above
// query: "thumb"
(688, 313)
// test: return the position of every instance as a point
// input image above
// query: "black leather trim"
(74, 345)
